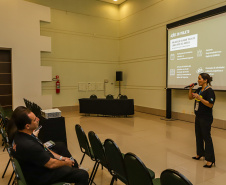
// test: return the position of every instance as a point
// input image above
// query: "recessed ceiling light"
(117, 2)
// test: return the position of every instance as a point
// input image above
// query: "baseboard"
(148, 110)
(217, 123)
(68, 108)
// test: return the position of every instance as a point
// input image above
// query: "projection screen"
(197, 45)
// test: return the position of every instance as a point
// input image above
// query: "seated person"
(40, 165)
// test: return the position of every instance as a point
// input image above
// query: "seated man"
(40, 165)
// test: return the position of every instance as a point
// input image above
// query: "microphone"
(191, 85)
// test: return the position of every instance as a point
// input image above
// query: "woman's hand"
(195, 95)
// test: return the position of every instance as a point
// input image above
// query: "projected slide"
(196, 48)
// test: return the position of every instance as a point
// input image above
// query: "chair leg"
(112, 180)
(91, 175)
(11, 178)
(82, 159)
(14, 181)
(6, 168)
(94, 173)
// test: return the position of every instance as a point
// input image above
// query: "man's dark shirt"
(32, 157)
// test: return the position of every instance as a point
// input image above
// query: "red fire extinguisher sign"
(57, 84)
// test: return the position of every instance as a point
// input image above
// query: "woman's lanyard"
(203, 90)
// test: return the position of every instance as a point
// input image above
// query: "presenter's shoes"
(210, 165)
(197, 158)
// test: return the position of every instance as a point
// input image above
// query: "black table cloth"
(113, 107)
(53, 129)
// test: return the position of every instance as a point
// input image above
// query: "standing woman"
(204, 101)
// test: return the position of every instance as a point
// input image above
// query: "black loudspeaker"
(118, 75)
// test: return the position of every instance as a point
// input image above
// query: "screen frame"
(188, 20)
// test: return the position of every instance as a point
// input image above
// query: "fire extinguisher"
(57, 84)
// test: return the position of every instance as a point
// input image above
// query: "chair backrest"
(18, 171)
(93, 96)
(2, 112)
(26, 102)
(5, 138)
(115, 160)
(36, 110)
(82, 140)
(172, 177)
(98, 148)
(110, 97)
(123, 97)
(137, 172)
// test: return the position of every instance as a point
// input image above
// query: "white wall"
(90, 41)
(85, 47)
(21, 32)
(143, 51)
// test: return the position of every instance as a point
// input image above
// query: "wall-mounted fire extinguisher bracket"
(57, 84)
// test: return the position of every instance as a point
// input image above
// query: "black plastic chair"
(137, 172)
(123, 97)
(172, 177)
(93, 96)
(28, 104)
(109, 97)
(115, 161)
(83, 143)
(99, 153)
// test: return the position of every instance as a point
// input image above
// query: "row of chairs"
(127, 168)
(19, 177)
(110, 97)
(5, 143)
(33, 107)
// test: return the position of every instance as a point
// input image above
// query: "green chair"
(172, 177)
(99, 154)
(4, 117)
(115, 161)
(83, 143)
(137, 172)
(6, 112)
(19, 174)
(7, 146)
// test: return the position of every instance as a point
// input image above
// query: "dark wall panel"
(5, 55)
(6, 100)
(5, 89)
(5, 67)
(5, 78)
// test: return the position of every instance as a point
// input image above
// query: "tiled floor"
(160, 145)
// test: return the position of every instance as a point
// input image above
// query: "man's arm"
(57, 156)
(54, 163)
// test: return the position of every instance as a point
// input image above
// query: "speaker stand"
(118, 97)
